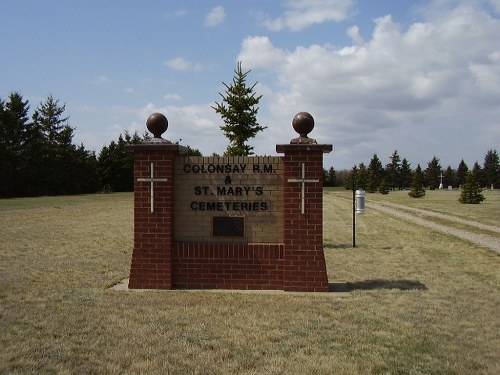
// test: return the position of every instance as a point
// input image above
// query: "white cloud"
(436, 80)
(100, 80)
(300, 14)
(197, 126)
(183, 65)
(115, 130)
(215, 17)
(175, 97)
(353, 33)
(428, 88)
(175, 14)
(258, 52)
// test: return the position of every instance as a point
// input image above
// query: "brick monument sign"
(228, 222)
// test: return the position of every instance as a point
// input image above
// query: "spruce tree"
(432, 173)
(384, 187)
(462, 171)
(37, 157)
(491, 169)
(332, 177)
(61, 157)
(392, 171)
(417, 189)
(375, 174)
(471, 192)
(13, 126)
(450, 177)
(239, 113)
(362, 177)
(351, 178)
(478, 174)
(405, 174)
(116, 164)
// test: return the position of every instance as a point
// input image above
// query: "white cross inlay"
(303, 181)
(152, 180)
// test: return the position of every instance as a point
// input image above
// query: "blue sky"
(422, 77)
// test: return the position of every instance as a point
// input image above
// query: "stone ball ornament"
(303, 124)
(157, 124)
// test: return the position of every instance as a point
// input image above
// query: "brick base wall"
(227, 266)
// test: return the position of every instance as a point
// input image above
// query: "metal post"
(353, 215)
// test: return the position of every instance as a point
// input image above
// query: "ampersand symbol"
(228, 180)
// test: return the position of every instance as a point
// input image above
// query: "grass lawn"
(444, 201)
(422, 302)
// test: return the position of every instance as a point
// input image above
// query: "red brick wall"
(151, 266)
(304, 261)
(228, 266)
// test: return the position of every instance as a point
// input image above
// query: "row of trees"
(38, 157)
(398, 174)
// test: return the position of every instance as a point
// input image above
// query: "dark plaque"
(228, 226)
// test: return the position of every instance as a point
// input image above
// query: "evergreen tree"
(57, 173)
(351, 178)
(477, 173)
(384, 187)
(432, 173)
(239, 113)
(405, 174)
(13, 121)
(189, 151)
(393, 170)
(35, 153)
(362, 177)
(491, 169)
(37, 157)
(374, 175)
(471, 192)
(341, 176)
(116, 164)
(462, 171)
(450, 177)
(329, 177)
(417, 189)
(85, 167)
(332, 177)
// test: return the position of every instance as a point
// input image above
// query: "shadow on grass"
(377, 284)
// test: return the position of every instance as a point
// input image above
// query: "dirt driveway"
(415, 215)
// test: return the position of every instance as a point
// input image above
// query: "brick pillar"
(151, 266)
(303, 257)
(154, 161)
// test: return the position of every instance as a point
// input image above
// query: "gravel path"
(409, 213)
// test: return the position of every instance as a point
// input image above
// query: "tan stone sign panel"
(210, 189)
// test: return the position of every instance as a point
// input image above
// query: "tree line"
(38, 157)
(397, 174)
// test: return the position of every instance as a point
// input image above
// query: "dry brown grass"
(420, 303)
